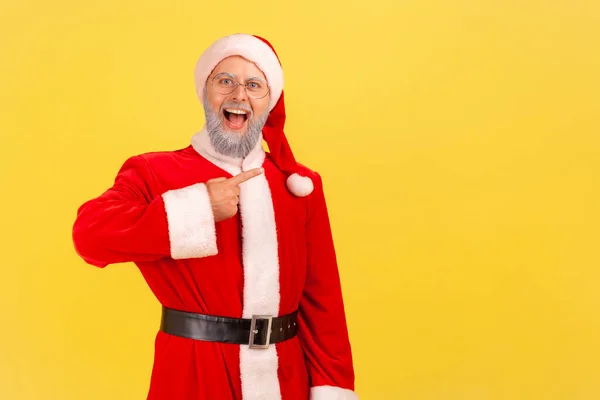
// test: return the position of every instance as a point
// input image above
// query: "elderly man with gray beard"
(234, 242)
(230, 142)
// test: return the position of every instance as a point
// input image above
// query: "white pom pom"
(300, 185)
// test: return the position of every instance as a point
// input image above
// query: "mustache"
(241, 106)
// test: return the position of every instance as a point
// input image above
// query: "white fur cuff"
(191, 222)
(331, 393)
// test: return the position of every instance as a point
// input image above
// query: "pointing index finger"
(244, 176)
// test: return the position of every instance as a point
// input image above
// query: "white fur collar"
(201, 143)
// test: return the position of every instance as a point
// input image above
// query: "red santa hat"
(260, 52)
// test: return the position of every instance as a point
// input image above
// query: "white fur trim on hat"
(249, 47)
(300, 185)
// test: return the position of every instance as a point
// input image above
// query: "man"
(234, 242)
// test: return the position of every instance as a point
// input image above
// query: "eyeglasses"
(225, 83)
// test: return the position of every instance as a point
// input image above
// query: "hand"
(224, 193)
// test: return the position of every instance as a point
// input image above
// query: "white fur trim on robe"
(258, 367)
(191, 222)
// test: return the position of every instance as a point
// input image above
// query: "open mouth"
(235, 118)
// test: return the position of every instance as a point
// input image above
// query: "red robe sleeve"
(322, 329)
(130, 223)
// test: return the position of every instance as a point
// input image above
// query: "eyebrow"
(256, 77)
(225, 73)
(235, 77)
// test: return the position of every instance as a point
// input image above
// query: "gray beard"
(233, 144)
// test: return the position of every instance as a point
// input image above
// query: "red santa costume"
(276, 256)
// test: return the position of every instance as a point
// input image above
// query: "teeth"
(235, 111)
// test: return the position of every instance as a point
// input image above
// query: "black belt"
(253, 332)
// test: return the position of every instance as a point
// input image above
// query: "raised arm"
(127, 223)
(323, 331)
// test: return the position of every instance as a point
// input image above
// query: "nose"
(239, 94)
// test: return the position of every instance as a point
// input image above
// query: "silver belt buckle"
(254, 331)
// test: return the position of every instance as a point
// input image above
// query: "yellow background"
(458, 140)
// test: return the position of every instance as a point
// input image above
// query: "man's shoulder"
(314, 175)
(311, 173)
(162, 158)
(159, 156)
(168, 169)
